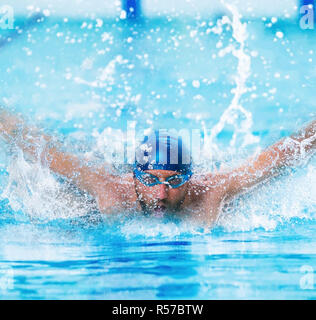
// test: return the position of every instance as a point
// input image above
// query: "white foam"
(274, 204)
(34, 190)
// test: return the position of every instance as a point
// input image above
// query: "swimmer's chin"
(158, 211)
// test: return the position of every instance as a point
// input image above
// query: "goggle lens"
(150, 180)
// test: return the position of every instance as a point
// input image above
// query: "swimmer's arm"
(271, 161)
(36, 144)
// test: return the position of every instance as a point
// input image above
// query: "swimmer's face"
(161, 197)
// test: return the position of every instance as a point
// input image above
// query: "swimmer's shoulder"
(120, 195)
(206, 194)
(211, 183)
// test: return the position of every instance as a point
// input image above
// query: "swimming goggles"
(150, 180)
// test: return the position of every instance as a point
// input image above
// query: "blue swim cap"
(163, 151)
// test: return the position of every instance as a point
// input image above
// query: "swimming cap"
(163, 151)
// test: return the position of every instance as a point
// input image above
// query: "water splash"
(34, 190)
(105, 75)
(235, 115)
(285, 200)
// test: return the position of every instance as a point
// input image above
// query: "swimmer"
(156, 186)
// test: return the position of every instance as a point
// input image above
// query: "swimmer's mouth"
(160, 210)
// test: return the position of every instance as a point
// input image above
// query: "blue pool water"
(77, 79)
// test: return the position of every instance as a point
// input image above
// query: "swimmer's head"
(161, 172)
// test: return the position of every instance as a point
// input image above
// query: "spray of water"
(235, 114)
(271, 206)
(35, 191)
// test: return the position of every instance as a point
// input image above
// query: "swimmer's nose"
(162, 191)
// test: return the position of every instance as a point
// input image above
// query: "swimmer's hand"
(15, 131)
(9, 124)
